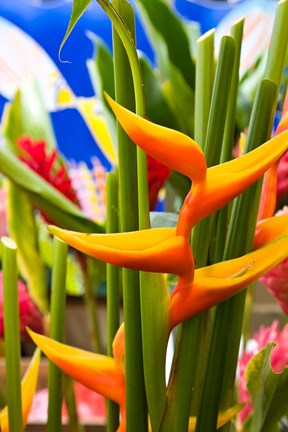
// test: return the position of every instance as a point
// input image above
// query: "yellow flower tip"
(118, 345)
(223, 417)
(28, 388)
(97, 372)
(172, 148)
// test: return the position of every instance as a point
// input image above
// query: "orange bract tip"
(218, 282)
(97, 372)
(170, 147)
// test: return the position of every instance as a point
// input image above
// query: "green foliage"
(26, 236)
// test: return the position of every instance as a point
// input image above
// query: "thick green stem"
(136, 416)
(113, 290)
(205, 66)
(57, 313)
(222, 217)
(12, 334)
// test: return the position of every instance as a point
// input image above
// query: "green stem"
(113, 290)
(222, 217)
(58, 300)
(12, 334)
(278, 44)
(90, 299)
(136, 415)
(69, 392)
(205, 66)
(128, 41)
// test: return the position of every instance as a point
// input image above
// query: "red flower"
(30, 316)
(50, 166)
(157, 175)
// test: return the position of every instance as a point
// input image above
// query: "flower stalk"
(57, 327)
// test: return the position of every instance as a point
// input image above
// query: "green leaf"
(268, 391)
(74, 277)
(168, 37)
(25, 235)
(181, 99)
(154, 312)
(79, 7)
(157, 108)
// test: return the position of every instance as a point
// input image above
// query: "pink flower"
(282, 179)
(3, 217)
(277, 279)
(91, 406)
(279, 359)
(30, 316)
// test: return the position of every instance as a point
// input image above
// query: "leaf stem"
(12, 334)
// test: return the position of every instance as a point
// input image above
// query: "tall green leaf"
(168, 37)
(25, 235)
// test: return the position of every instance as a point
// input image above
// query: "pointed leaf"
(26, 236)
(78, 9)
